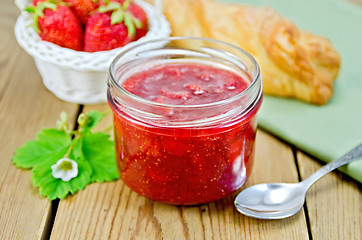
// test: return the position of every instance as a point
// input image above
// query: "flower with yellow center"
(65, 168)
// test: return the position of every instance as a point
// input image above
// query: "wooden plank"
(25, 107)
(113, 211)
(334, 203)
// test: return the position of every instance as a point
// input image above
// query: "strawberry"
(83, 8)
(111, 26)
(138, 13)
(57, 23)
(100, 34)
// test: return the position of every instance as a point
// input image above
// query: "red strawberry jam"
(185, 84)
(185, 164)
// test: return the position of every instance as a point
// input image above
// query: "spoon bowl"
(274, 201)
(281, 200)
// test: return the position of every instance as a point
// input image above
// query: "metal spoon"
(281, 200)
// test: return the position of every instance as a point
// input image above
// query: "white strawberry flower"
(65, 168)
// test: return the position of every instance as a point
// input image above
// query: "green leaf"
(47, 5)
(38, 11)
(109, 7)
(34, 152)
(94, 118)
(117, 17)
(77, 152)
(84, 177)
(54, 188)
(30, 9)
(137, 23)
(89, 120)
(126, 4)
(93, 152)
(103, 9)
(99, 151)
(129, 24)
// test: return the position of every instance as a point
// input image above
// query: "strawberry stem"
(117, 17)
(128, 21)
(38, 11)
(126, 4)
(120, 14)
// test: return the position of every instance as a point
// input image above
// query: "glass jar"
(184, 154)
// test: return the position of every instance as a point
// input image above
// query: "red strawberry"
(57, 23)
(140, 14)
(111, 26)
(100, 34)
(83, 8)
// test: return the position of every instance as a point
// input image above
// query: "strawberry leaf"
(93, 156)
(94, 118)
(88, 121)
(99, 151)
(38, 11)
(35, 152)
(128, 21)
(137, 23)
(56, 188)
(126, 4)
(30, 9)
(47, 5)
(117, 17)
(112, 6)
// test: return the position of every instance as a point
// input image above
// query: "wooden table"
(333, 208)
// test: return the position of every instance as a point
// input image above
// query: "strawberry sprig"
(120, 14)
(65, 161)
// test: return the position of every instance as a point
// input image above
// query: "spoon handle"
(352, 155)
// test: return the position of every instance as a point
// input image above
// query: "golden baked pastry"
(293, 63)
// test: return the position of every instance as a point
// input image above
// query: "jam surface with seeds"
(185, 84)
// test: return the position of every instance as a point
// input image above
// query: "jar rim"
(255, 79)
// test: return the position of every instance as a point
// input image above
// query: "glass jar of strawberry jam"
(184, 118)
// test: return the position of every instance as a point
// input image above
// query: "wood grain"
(25, 107)
(113, 211)
(334, 203)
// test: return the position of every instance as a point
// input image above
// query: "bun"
(293, 63)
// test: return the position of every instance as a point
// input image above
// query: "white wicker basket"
(74, 76)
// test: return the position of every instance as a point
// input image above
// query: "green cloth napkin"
(326, 132)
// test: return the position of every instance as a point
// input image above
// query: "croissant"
(293, 63)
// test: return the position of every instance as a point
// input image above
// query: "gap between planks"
(55, 203)
(112, 211)
(334, 203)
